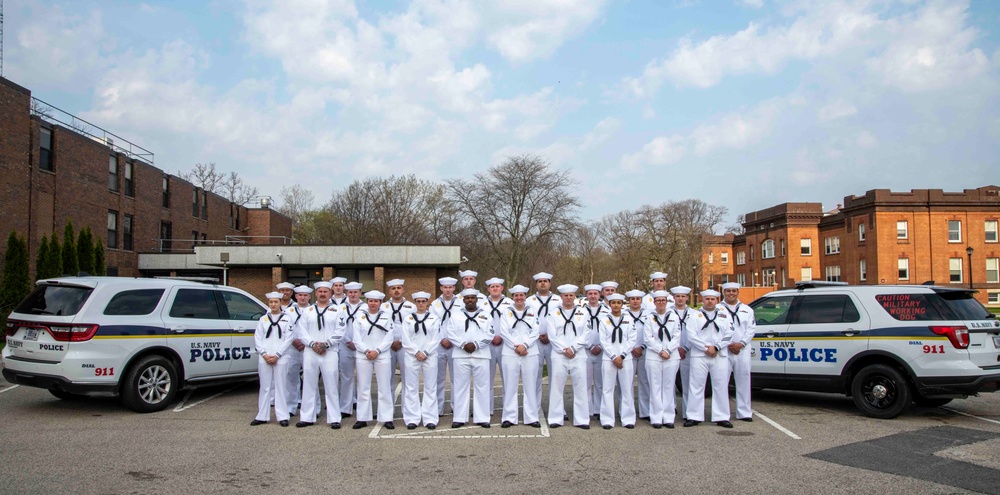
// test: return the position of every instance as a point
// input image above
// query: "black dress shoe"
(657, 426)
(457, 425)
(334, 426)
(748, 420)
(536, 424)
(431, 426)
(630, 426)
(389, 426)
(303, 424)
(345, 415)
(583, 427)
(669, 426)
(606, 427)
(724, 424)
(257, 422)
(646, 418)
(283, 422)
(555, 425)
(506, 424)
(411, 426)
(484, 425)
(359, 425)
(690, 422)
(595, 415)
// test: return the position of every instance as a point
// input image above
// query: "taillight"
(72, 333)
(959, 336)
(11, 328)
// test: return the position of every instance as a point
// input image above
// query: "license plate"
(996, 341)
(30, 334)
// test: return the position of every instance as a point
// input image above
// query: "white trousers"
(445, 364)
(643, 388)
(740, 364)
(398, 362)
(496, 358)
(521, 369)
(595, 380)
(293, 380)
(544, 358)
(272, 386)
(474, 372)
(314, 366)
(382, 367)
(685, 368)
(413, 408)
(717, 369)
(662, 381)
(347, 390)
(576, 370)
(623, 377)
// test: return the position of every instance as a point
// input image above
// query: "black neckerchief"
(494, 310)
(710, 321)
(733, 313)
(616, 328)
(397, 312)
(543, 310)
(595, 318)
(418, 323)
(272, 325)
(568, 321)
(372, 326)
(447, 311)
(518, 319)
(471, 319)
(350, 314)
(662, 325)
(321, 321)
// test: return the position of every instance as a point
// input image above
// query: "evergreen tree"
(99, 265)
(54, 266)
(70, 265)
(15, 281)
(85, 251)
(41, 259)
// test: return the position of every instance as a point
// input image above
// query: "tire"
(150, 385)
(64, 395)
(930, 402)
(880, 391)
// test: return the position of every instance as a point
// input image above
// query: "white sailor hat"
(353, 286)
(494, 281)
(635, 293)
(468, 273)
(420, 295)
(303, 289)
(542, 275)
(656, 275)
(285, 285)
(518, 289)
(394, 282)
(609, 283)
(680, 289)
(447, 281)
(730, 285)
(323, 284)
(590, 287)
(470, 292)
(710, 293)
(660, 293)
(335, 280)
(374, 294)
(272, 295)
(567, 289)
(616, 297)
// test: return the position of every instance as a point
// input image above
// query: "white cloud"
(866, 140)
(600, 133)
(755, 4)
(837, 110)
(524, 30)
(663, 150)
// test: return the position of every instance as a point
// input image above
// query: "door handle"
(850, 332)
(770, 335)
(177, 329)
(241, 330)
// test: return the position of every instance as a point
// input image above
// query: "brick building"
(881, 237)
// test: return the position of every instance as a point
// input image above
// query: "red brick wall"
(15, 167)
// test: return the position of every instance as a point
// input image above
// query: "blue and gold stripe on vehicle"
(897, 333)
(107, 332)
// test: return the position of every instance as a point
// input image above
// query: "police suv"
(884, 345)
(141, 339)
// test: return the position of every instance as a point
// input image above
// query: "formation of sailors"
(601, 345)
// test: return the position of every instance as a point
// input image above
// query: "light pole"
(694, 276)
(969, 251)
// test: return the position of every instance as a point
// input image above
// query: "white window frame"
(903, 268)
(832, 244)
(742, 279)
(805, 246)
(806, 274)
(902, 229)
(724, 258)
(711, 257)
(782, 248)
(955, 267)
(833, 273)
(990, 227)
(993, 297)
(767, 249)
(862, 270)
(861, 232)
(957, 231)
(992, 272)
(767, 277)
(741, 258)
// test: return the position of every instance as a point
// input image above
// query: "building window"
(194, 239)
(129, 183)
(166, 233)
(902, 230)
(127, 232)
(166, 192)
(767, 276)
(782, 248)
(784, 276)
(832, 244)
(903, 264)
(750, 248)
(204, 238)
(111, 271)
(954, 231)
(204, 205)
(805, 247)
(45, 154)
(833, 273)
(767, 249)
(741, 258)
(113, 173)
(991, 231)
(955, 270)
(724, 258)
(993, 298)
(711, 257)
(861, 232)
(194, 202)
(112, 241)
(741, 278)
(806, 275)
(862, 270)
(992, 270)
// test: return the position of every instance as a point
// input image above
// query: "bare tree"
(230, 186)
(515, 209)
(236, 190)
(393, 210)
(204, 176)
(296, 202)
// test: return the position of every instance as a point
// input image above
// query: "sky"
(739, 103)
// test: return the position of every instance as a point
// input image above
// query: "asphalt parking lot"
(799, 442)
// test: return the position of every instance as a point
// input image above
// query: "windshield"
(54, 300)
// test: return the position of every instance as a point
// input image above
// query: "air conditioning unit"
(110, 142)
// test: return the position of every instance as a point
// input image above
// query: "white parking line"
(971, 416)
(775, 424)
(12, 387)
(183, 406)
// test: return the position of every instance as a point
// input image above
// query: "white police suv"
(141, 339)
(884, 345)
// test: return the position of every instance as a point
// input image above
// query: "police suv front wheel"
(150, 385)
(880, 391)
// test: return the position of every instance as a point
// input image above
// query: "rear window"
(195, 303)
(827, 309)
(54, 300)
(134, 302)
(950, 305)
(963, 305)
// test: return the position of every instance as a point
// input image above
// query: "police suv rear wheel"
(880, 391)
(150, 385)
